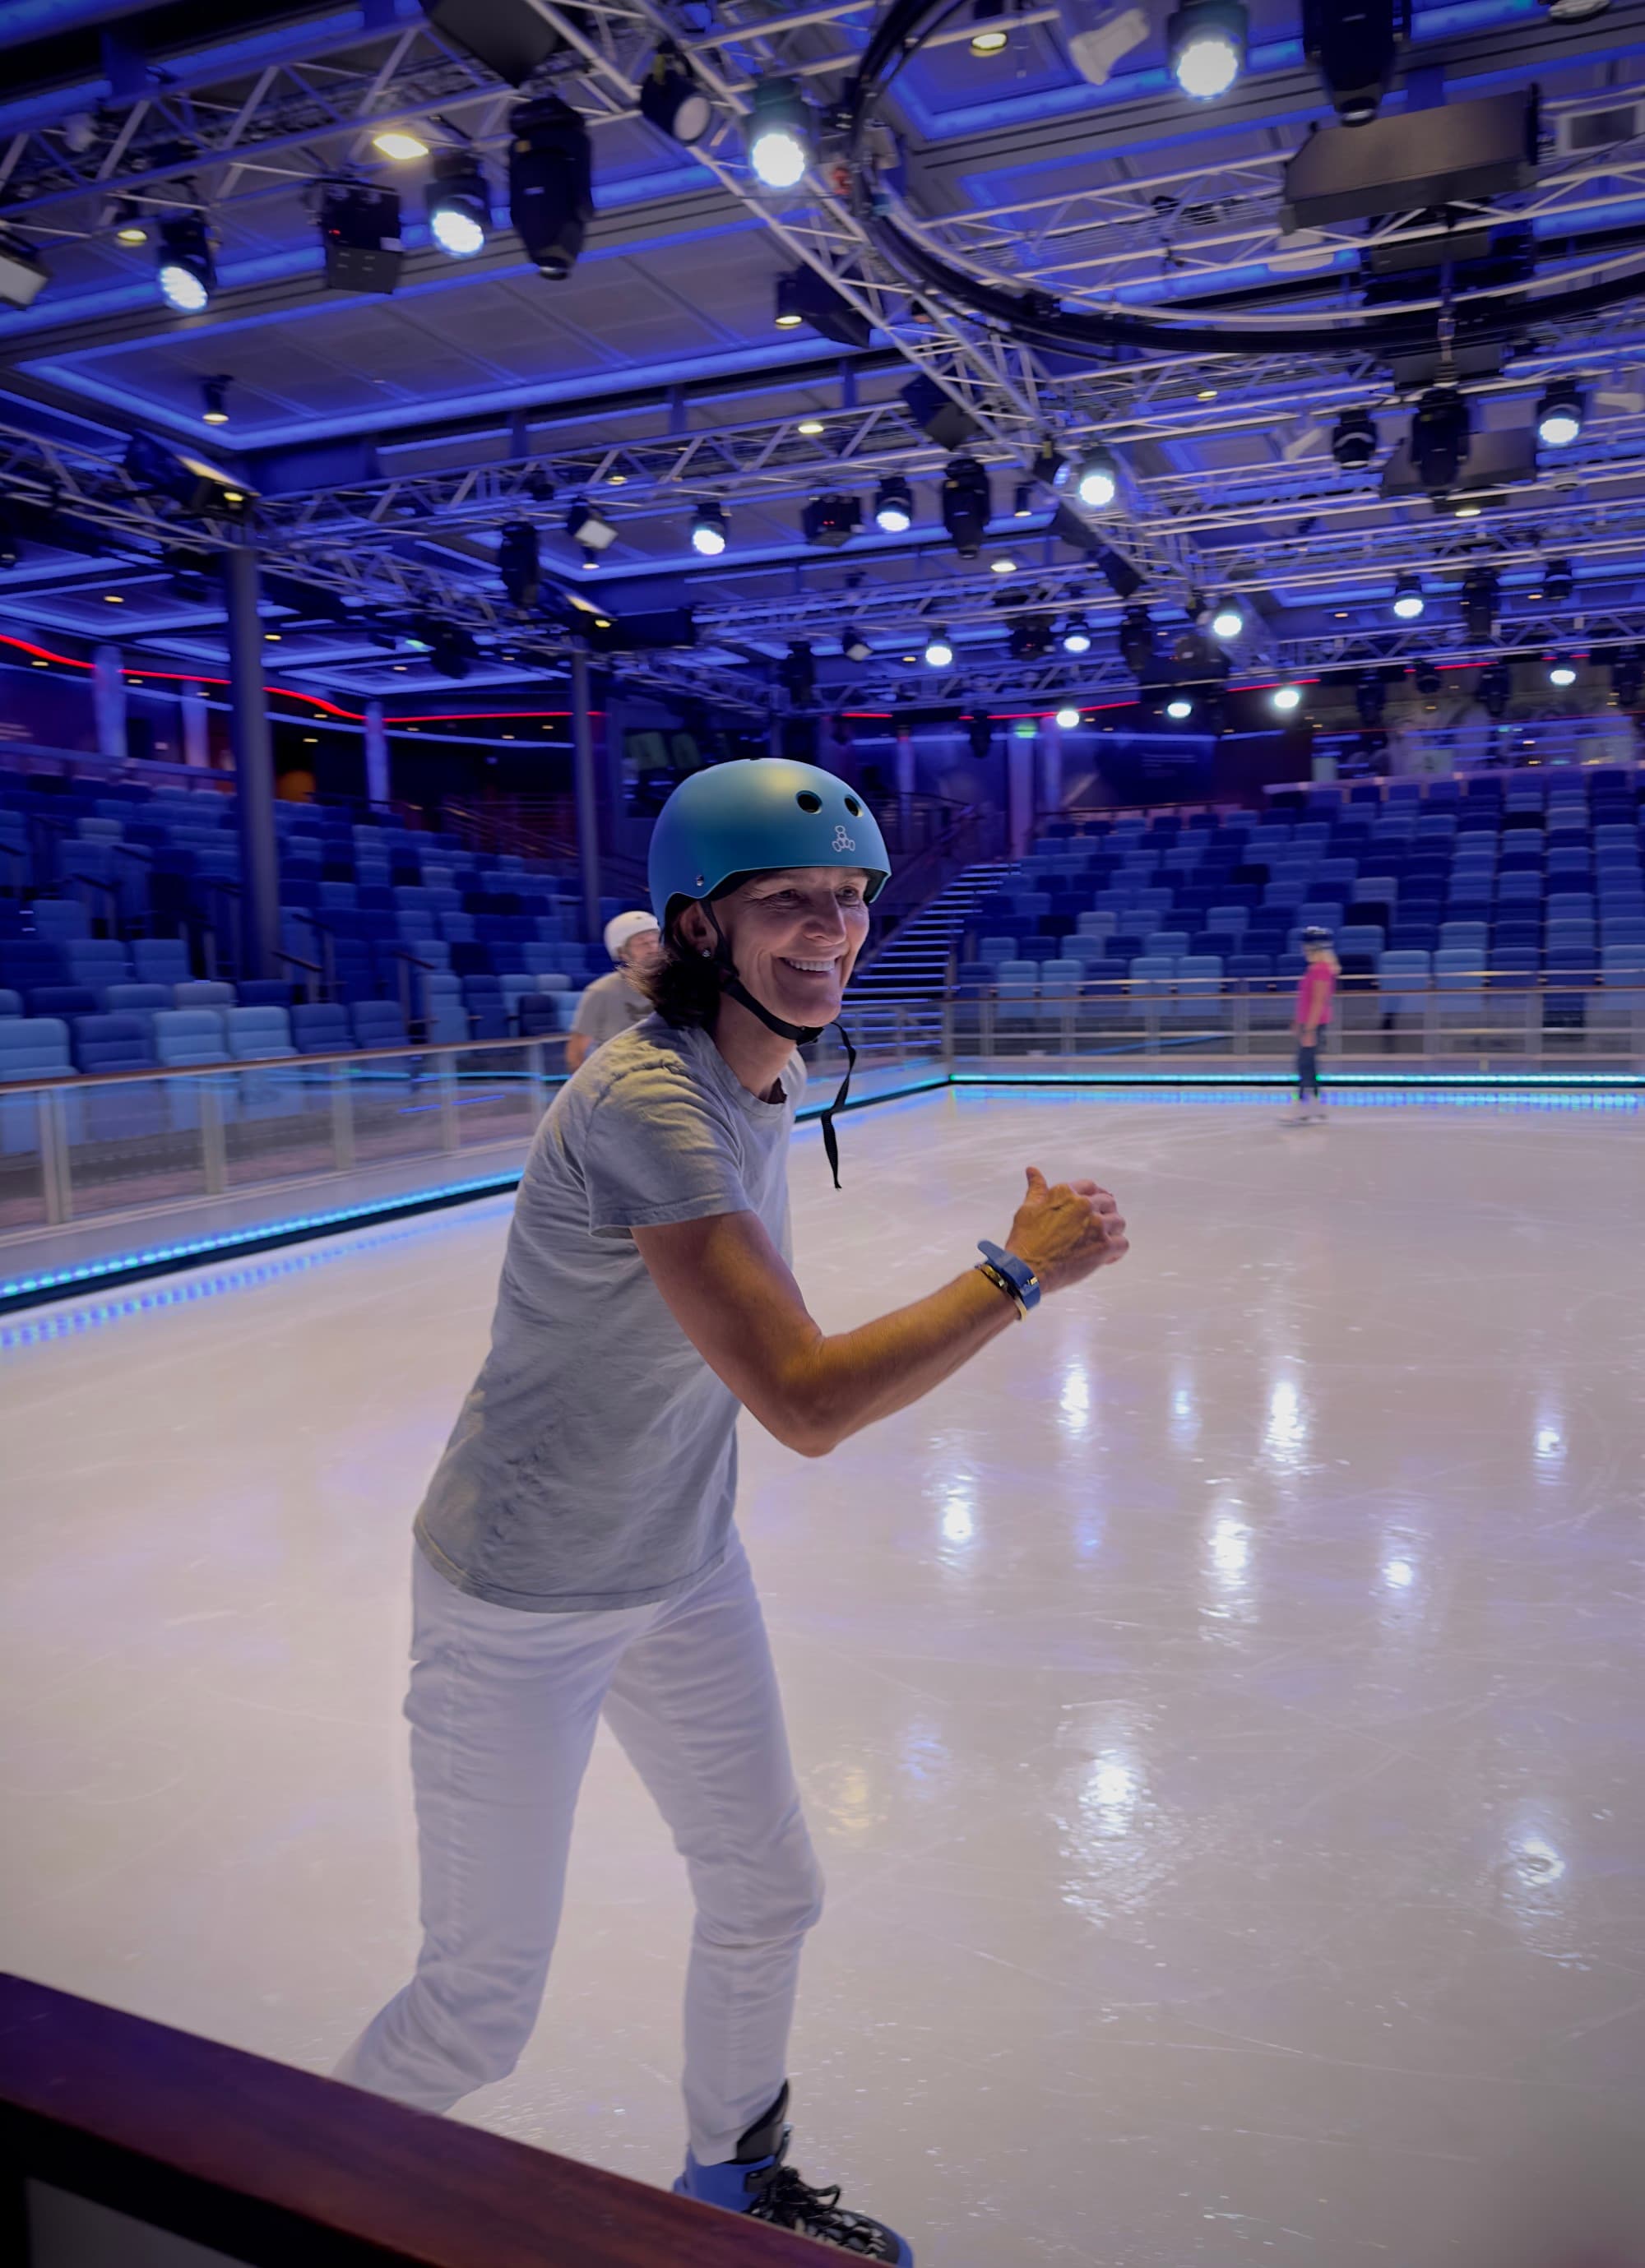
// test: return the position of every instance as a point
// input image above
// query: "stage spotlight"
(1068, 718)
(671, 97)
(708, 530)
(1228, 622)
(854, 644)
(1428, 681)
(1561, 673)
(1286, 698)
(213, 391)
(1050, 466)
(1136, 639)
(1479, 589)
(1355, 50)
(779, 134)
(202, 490)
(459, 205)
(805, 297)
(1179, 708)
(1099, 479)
(550, 184)
(797, 674)
(400, 143)
(1076, 637)
(966, 505)
(184, 267)
(516, 562)
(1440, 434)
(1022, 501)
(1029, 638)
(991, 36)
(939, 652)
(359, 236)
(831, 520)
(938, 416)
(1558, 581)
(1206, 41)
(893, 505)
(1370, 698)
(1408, 599)
(1559, 415)
(1494, 688)
(129, 226)
(1353, 441)
(588, 526)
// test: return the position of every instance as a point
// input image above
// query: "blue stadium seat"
(113, 1043)
(259, 1035)
(378, 1023)
(322, 1028)
(185, 1037)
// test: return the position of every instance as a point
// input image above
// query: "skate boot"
(758, 2182)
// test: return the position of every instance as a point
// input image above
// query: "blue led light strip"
(23, 1291)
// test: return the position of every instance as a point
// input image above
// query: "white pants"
(503, 1708)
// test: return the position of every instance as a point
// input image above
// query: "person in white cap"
(613, 1003)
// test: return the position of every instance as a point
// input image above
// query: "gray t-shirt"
(609, 1006)
(594, 1461)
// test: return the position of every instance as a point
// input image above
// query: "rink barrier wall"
(23, 1286)
(109, 2120)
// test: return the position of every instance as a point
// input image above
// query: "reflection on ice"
(1285, 1437)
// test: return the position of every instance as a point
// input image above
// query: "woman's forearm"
(852, 1379)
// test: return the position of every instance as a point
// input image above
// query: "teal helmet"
(752, 815)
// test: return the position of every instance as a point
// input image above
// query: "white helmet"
(621, 928)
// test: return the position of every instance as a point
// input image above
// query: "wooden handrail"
(281, 2170)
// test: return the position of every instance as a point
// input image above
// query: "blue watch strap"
(1015, 1271)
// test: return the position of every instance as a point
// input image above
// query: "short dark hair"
(686, 986)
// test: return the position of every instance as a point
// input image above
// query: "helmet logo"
(844, 841)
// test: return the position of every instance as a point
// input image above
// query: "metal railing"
(78, 1147)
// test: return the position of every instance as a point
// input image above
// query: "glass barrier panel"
(501, 1092)
(140, 1142)
(278, 1122)
(22, 1163)
(400, 1104)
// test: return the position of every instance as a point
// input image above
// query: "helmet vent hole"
(807, 801)
(853, 807)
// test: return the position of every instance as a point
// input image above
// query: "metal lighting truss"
(68, 478)
(1205, 226)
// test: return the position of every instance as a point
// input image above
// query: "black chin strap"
(802, 1035)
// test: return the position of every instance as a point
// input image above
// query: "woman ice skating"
(577, 1554)
(1315, 989)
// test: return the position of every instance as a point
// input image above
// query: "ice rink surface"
(1221, 1709)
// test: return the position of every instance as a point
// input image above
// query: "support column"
(108, 698)
(1051, 775)
(588, 792)
(253, 767)
(906, 775)
(1020, 792)
(377, 784)
(197, 729)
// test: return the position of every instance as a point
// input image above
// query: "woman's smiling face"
(794, 936)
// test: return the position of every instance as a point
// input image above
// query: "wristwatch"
(1020, 1277)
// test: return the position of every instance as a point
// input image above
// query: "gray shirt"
(609, 1006)
(594, 1461)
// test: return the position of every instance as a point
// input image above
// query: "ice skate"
(758, 2182)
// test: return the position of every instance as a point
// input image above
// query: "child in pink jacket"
(1316, 989)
